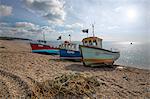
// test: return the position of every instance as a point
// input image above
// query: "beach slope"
(19, 67)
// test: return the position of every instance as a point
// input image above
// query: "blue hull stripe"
(69, 53)
(46, 51)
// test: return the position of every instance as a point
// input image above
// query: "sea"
(136, 54)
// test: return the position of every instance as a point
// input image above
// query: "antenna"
(93, 30)
(43, 31)
(87, 34)
(69, 37)
(44, 35)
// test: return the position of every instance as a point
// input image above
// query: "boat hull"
(70, 55)
(44, 49)
(92, 56)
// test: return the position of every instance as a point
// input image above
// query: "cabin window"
(68, 46)
(90, 42)
(71, 47)
(65, 46)
(94, 43)
(85, 42)
(60, 46)
(75, 47)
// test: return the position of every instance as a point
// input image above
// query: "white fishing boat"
(94, 55)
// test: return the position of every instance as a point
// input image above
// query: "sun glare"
(131, 14)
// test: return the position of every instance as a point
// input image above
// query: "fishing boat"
(94, 55)
(43, 48)
(69, 51)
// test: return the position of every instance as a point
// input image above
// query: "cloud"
(5, 10)
(2, 24)
(66, 27)
(112, 27)
(27, 25)
(52, 10)
(75, 26)
(67, 31)
(118, 9)
(24, 30)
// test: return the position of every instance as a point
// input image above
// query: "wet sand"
(18, 63)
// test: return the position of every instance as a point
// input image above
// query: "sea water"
(136, 54)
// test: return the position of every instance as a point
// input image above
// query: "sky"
(114, 20)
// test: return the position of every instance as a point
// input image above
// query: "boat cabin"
(41, 41)
(92, 41)
(68, 45)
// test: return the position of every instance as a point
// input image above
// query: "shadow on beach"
(82, 68)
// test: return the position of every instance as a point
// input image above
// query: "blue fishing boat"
(94, 55)
(69, 51)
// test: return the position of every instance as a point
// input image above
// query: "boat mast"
(43, 32)
(69, 37)
(93, 30)
(43, 36)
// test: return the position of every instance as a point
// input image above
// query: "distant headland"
(14, 38)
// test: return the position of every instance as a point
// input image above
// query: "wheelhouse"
(68, 45)
(92, 41)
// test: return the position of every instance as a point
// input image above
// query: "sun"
(131, 14)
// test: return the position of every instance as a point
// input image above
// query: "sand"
(18, 63)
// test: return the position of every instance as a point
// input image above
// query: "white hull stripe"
(70, 57)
